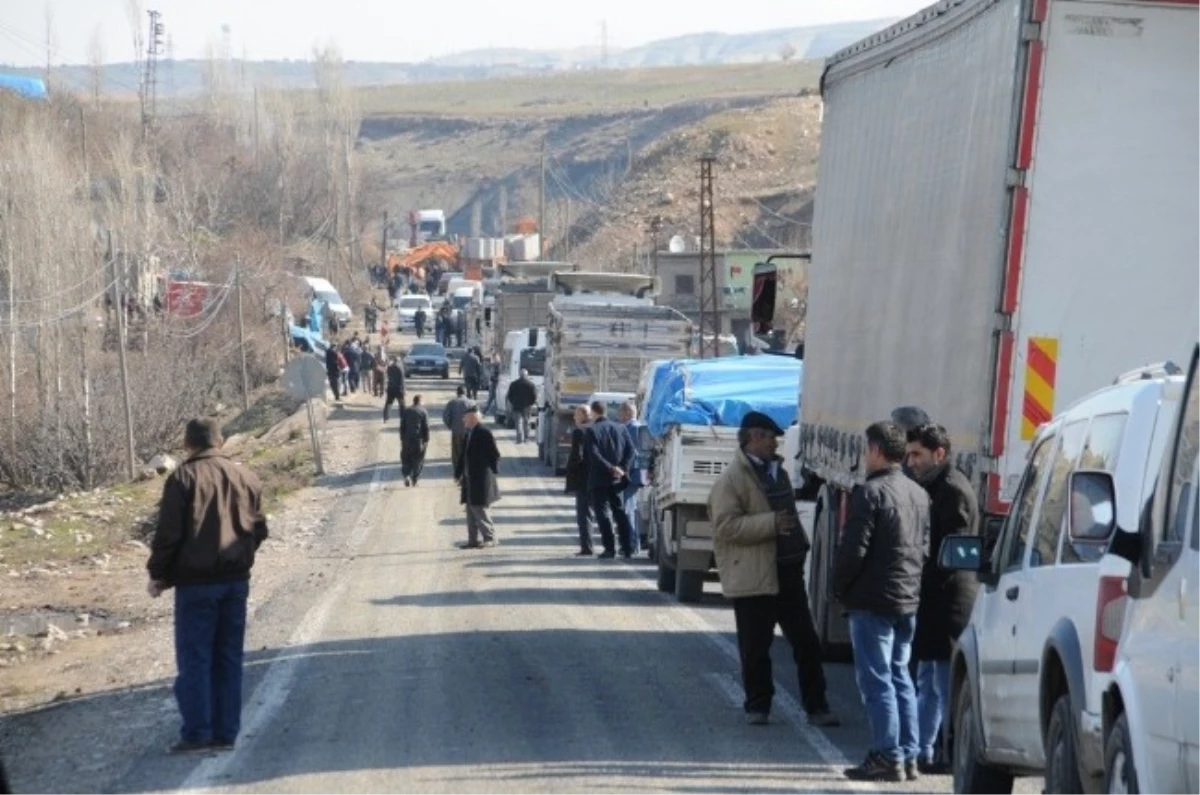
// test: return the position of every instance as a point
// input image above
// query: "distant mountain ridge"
(188, 77)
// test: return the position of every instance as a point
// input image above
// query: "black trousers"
(412, 460)
(606, 503)
(335, 383)
(756, 618)
(393, 395)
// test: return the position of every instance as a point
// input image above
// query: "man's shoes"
(189, 747)
(470, 545)
(758, 718)
(876, 767)
(222, 745)
(934, 767)
(408, 481)
(607, 554)
(911, 772)
(584, 553)
(487, 545)
(627, 554)
(823, 718)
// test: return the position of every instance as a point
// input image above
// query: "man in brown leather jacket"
(210, 525)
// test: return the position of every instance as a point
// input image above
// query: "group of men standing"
(897, 600)
(604, 473)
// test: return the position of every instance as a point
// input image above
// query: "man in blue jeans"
(210, 524)
(877, 578)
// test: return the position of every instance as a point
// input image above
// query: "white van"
(1029, 672)
(1152, 705)
(322, 290)
(524, 349)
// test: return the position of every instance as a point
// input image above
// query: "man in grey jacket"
(452, 416)
(877, 578)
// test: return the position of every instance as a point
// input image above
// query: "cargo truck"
(1006, 217)
(602, 329)
(521, 295)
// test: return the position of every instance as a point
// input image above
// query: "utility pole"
(237, 280)
(383, 258)
(256, 125)
(503, 209)
(710, 320)
(476, 216)
(153, 43)
(655, 228)
(83, 327)
(567, 230)
(542, 200)
(12, 333)
(119, 307)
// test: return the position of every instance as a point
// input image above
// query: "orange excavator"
(422, 256)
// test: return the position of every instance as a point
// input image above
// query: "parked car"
(1151, 719)
(407, 311)
(1026, 679)
(427, 358)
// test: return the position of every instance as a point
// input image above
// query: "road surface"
(421, 667)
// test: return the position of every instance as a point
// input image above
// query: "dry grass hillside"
(622, 146)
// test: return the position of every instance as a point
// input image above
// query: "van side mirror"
(961, 553)
(1091, 512)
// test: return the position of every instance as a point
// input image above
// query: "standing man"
(419, 322)
(472, 372)
(475, 469)
(414, 439)
(760, 548)
(371, 315)
(521, 397)
(453, 417)
(210, 525)
(493, 381)
(333, 370)
(395, 387)
(627, 416)
(577, 481)
(610, 456)
(877, 578)
(366, 367)
(947, 597)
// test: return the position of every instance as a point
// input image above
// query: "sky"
(396, 30)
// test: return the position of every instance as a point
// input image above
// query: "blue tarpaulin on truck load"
(23, 85)
(313, 340)
(722, 391)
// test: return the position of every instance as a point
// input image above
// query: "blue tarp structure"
(723, 390)
(22, 85)
(315, 343)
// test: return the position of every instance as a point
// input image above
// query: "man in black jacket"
(610, 457)
(395, 387)
(877, 578)
(577, 481)
(947, 597)
(414, 439)
(210, 524)
(475, 468)
(521, 397)
(472, 372)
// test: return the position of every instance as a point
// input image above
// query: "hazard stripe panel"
(1041, 367)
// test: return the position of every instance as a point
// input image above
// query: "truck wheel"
(666, 574)
(970, 774)
(689, 585)
(1119, 772)
(1062, 761)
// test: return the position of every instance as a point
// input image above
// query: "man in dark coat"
(454, 417)
(210, 525)
(472, 372)
(947, 597)
(577, 481)
(395, 387)
(419, 322)
(475, 469)
(610, 456)
(414, 438)
(333, 371)
(521, 398)
(877, 578)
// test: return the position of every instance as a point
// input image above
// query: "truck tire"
(666, 573)
(689, 585)
(1062, 759)
(1119, 773)
(970, 774)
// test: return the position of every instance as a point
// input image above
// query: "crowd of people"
(899, 603)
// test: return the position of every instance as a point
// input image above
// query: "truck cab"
(524, 349)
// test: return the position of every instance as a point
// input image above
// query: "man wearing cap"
(475, 469)
(760, 549)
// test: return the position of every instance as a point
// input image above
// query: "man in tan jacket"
(760, 549)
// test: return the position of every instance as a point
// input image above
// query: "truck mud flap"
(832, 626)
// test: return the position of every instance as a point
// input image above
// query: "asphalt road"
(427, 668)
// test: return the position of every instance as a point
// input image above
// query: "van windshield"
(413, 303)
(328, 296)
(533, 361)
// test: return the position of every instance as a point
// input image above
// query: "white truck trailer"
(602, 329)
(1007, 218)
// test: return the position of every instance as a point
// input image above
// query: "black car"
(426, 358)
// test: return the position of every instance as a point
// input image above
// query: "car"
(1028, 674)
(407, 310)
(427, 358)
(1151, 719)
